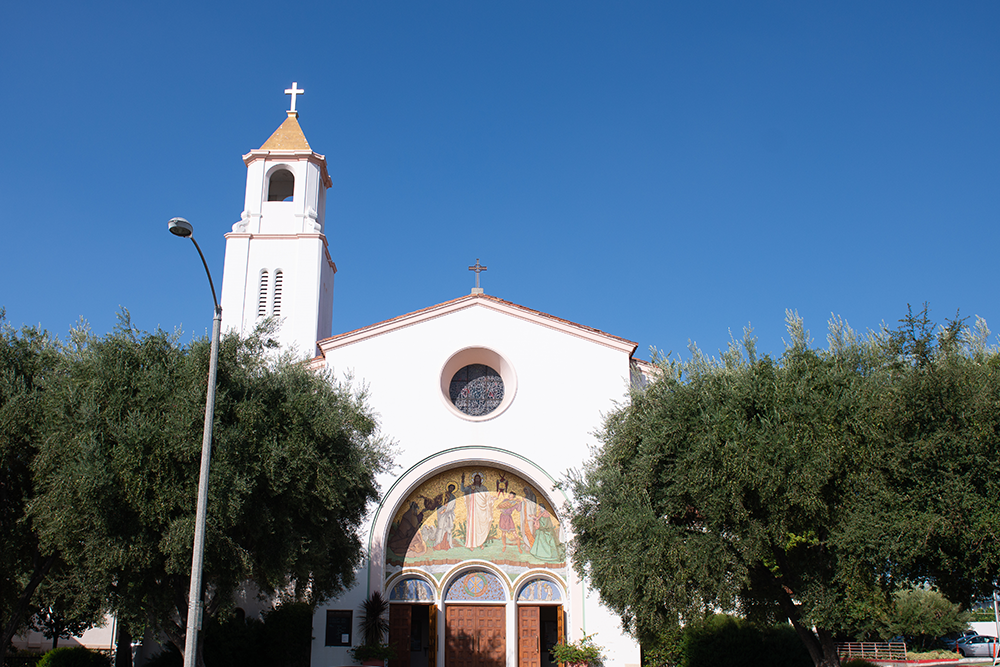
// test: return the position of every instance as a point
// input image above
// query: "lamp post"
(181, 227)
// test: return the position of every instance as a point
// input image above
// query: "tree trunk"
(123, 647)
(57, 628)
(830, 656)
(42, 568)
(822, 649)
(820, 644)
(177, 634)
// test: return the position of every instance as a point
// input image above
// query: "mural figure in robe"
(479, 511)
(528, 511)
(445, 521)
(546, 546)
(508, 529)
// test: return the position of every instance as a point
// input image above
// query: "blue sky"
(663, 171)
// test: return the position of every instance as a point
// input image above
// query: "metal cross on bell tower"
(478, 268)
(293, 91)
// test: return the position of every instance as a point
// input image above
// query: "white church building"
(469, 543)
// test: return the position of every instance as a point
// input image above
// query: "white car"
(978, 646)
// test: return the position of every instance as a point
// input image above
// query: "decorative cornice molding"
(291, 155)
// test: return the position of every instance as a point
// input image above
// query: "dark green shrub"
(74, 656)
(235, 642)
(282, 639)
(228, 643)
(16, 658)
(168, 657)
(288, 635)
(781, 645)
(663, 649)
(722, 639)
(922, 615)
(717, 638)
(374, 624)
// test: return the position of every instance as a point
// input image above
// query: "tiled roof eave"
(494, 303)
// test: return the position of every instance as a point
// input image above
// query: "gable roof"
(481, 301)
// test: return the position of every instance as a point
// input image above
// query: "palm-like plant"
(374, 624)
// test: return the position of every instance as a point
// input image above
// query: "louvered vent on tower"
(276, 307)
(262, 295)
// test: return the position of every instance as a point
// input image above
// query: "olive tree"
(294, 460)
(807, 488)
(27, 361)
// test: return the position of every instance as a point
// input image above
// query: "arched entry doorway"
(541, 620)
(476, 619)
(475, 567)
(413, 621)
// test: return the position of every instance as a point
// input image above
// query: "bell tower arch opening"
(281, 185)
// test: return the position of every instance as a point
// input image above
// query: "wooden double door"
(475, 636)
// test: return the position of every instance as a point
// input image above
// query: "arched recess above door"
(539, 589)
(411, 589)
(476, 585)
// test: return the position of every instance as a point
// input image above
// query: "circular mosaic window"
(476, 390)
(477, 384)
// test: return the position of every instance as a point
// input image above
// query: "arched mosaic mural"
(478, 513)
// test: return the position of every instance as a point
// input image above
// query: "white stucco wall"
(565, 383)
(99, 638)
(564, 386)
(285, 236)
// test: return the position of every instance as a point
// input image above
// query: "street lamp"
(181, 227)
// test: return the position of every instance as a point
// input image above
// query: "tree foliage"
(62, 618)
(27, 364)
(806, 488)
(67, 603)
(114, 473)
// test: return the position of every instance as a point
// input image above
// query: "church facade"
(489, 403)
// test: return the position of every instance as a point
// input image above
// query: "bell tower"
(277, 260)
